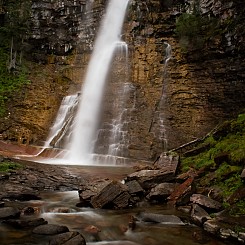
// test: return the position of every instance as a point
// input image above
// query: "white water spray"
(81, 146)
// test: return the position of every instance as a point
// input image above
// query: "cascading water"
(159, 114)
(112, 137)
(63, 120)
(86, 121)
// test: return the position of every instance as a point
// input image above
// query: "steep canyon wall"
(201, 86)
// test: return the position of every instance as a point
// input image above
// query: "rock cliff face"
(169, 103)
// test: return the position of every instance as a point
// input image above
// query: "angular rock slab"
(182, 192)
(161, 191)
(134, 187)
(199, 215)
(205, 202)
(167, 161)
(149, 178)
(108, 194)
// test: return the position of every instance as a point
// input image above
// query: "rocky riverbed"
(126, 188)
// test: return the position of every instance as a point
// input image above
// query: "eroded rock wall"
(170, 104)
(202, 87)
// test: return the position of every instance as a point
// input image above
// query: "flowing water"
(86, 121)
(106, 226)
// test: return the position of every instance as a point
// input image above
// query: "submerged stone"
(26, 223)
(9, 213)
(159, 218)
(68, 238)
(50, 229)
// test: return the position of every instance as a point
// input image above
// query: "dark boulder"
(150, 178)
(161, 192)
(159, 218)
(26, 223)
(50, 229)
(9, 213)
(113, 195)
(68, 238)
(199, 215)
(206, 202)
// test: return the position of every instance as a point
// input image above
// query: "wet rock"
(2, 204)
(200, 237)
(92, 229)
(241, 237)
(159, 218)
(185, 209)
(199, 215)
(92, 189)
(68, 238)
(211, 226)
(50, 229)
(26, 223)
(181, 194)
(122, 201)
(205, 202)
(21, 197)
(134, 188)
(28, 211)
(109, 193)
(161, 191)
(243, 174)
(227, 233)
(9, 213)
(165, 161)
(149, 178)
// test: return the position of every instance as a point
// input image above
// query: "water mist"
(82, 142)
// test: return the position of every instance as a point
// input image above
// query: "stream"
(104, 227)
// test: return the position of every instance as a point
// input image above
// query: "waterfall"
(86, 121)
(158, 126)
(63, 119)
(162, 127)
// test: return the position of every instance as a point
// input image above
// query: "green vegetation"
(7, 166)
(14, 24)
(194, 29)
(222, 161)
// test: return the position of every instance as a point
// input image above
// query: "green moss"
(238, 209)
(229, 185)
(6, 166)
(229, 141)
(225, 170)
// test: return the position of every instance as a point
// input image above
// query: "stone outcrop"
(169, 104)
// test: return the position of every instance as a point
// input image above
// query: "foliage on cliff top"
(222, 160)
(13, 31)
